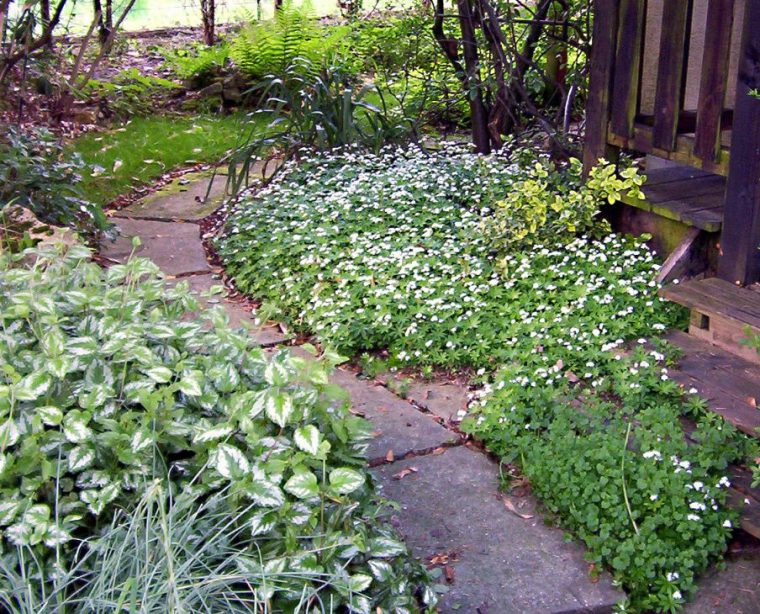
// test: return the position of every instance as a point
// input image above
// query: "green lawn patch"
(147, 147)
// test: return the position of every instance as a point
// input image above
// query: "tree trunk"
(208, 17)
(473, 86)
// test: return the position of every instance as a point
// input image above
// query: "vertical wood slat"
(740, 257)
(671, 72)
(714, 79)
(604, 37)
(625, 94)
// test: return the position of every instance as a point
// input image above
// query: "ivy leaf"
(382, 570)
(279, 408)
(385, 548)
(359, 582)
(230, 462)
(344, 480)
(261, 523)
(226, 378)
(303, 485)
(8, 434)
(75, 427)
(141, 440)
(308, 439)
(58, 366)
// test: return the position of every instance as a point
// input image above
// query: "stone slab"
(239, 314)
(504, 564)
(735, 589)
(184, 198)
(400, 426)
(444, 399)
(175, 247)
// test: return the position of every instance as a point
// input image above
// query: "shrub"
(127, 94)
(36, 172)
(610, 458)
(107, 385)
(550, 204)
(386, 252)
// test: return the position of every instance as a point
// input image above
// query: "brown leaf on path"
(511, 507)
(448, 571)
(571, 377)
(404, 472)
(389, 456)
(752, 401)
(438, 451)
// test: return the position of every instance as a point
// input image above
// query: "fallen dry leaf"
(438, 451)
(389, 456)
(752, 401)
(572, 377)
(404, 472)
(511, 507)
(449, 573)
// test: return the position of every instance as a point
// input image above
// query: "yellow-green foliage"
(547, 203)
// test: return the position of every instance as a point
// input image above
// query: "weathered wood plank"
(740, 259)
(714, 79)
(683, 152)
(675, 173)
(625, 92)
(600, 81)
(670, 72)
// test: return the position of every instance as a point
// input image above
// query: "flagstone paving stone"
(175, 247)
(239, 313)
(185, 198)
(502, 563)
(401, 428)
(736, 589)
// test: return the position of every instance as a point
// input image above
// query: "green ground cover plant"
(606, 452)
(109, 394)
(147, 147)
(387, 252)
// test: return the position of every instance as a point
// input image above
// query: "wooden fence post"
(740, 240)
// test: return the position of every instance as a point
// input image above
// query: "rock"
(17, 222)
(215, 89)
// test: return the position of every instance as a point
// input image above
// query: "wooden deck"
(684, 194)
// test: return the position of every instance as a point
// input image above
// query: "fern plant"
(271, 47)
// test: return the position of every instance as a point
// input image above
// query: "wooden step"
(721, 314)
(729, 384)
(731, 387)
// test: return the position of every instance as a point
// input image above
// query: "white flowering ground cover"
(395, 251)
(388, 252)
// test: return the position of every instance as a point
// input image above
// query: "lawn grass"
(147, 147)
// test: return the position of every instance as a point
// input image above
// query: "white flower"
(727, 524)
(693, 517)
(655, 454)
(672, 576)
(677, 595)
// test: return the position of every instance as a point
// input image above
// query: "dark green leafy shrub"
(107, 385)
(36, 172)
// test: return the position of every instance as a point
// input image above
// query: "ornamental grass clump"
(108, 386)
(375, 252)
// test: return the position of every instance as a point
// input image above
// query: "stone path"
(496, 560)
